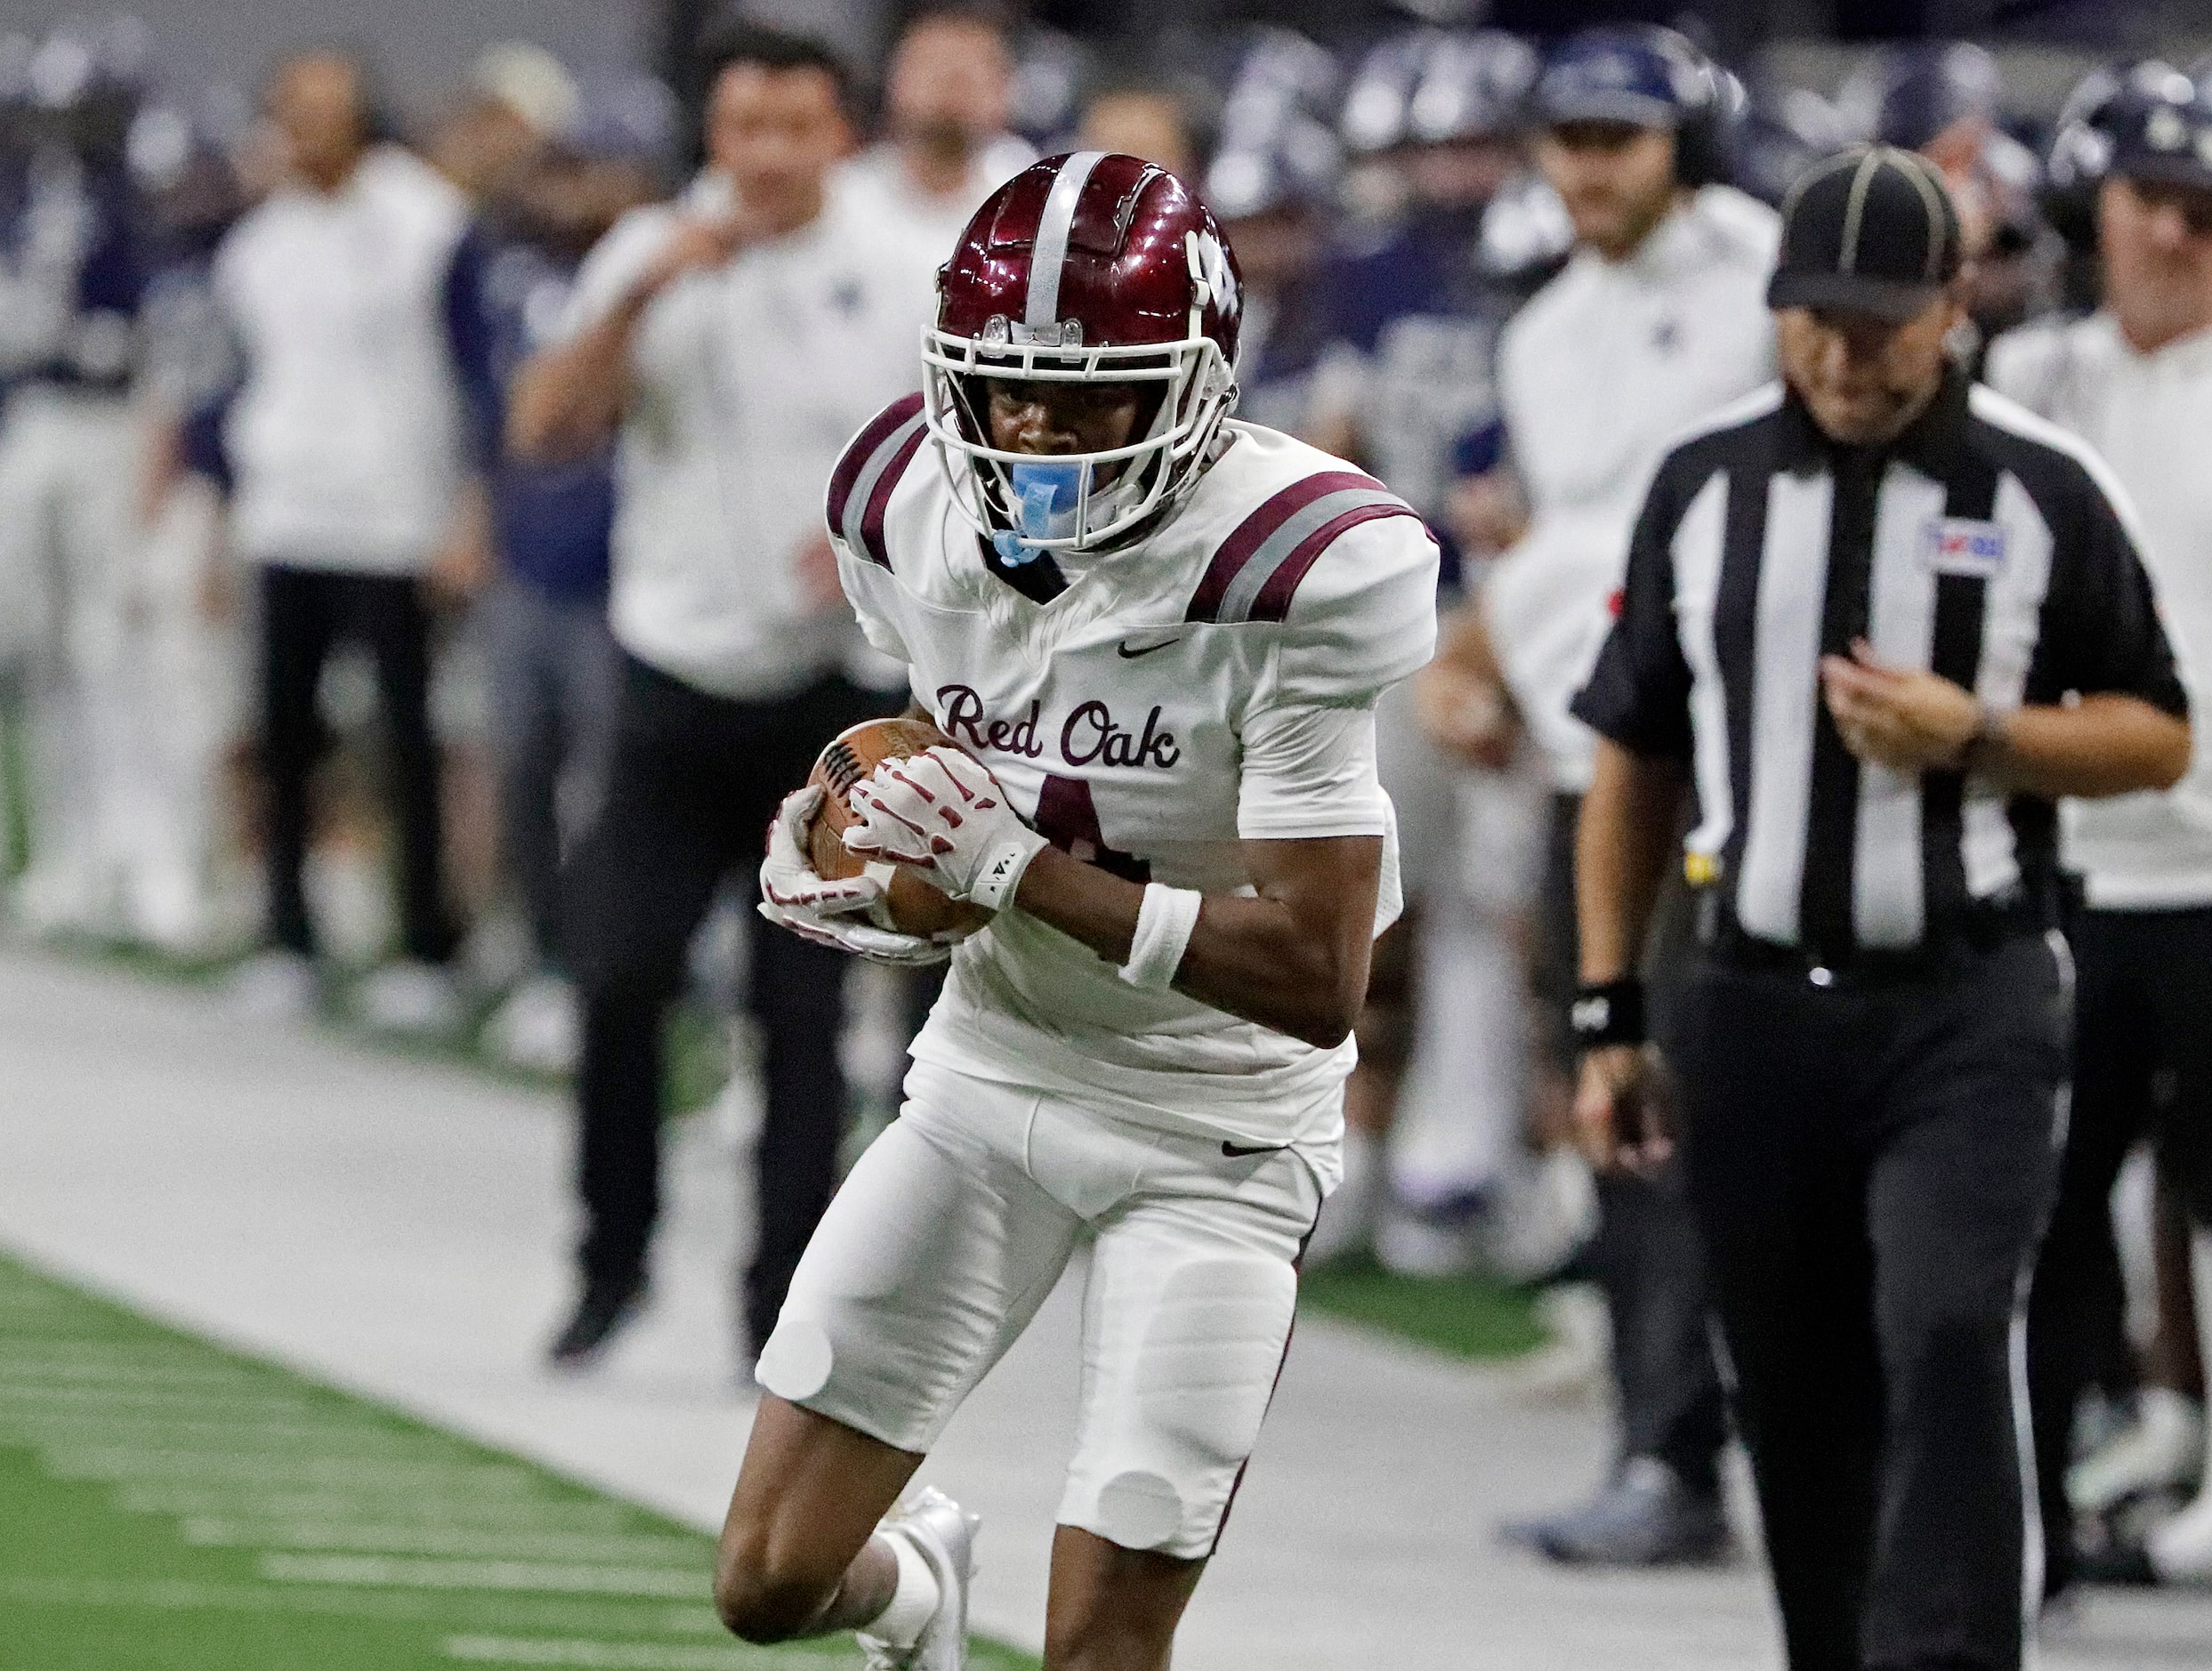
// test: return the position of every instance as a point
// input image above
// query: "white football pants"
(955, 1224)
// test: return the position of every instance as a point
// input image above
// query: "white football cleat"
(944, 1534)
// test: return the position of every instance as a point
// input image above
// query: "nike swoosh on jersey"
(1239, 1151)
(1123, 650)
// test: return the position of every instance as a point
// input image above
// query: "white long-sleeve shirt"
(1601, 371)
(2149, 415)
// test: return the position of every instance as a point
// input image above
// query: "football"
(910, 905)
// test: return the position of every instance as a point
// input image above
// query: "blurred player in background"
(1659, 317)
(2135, 380)
(1407, 383)
(348, 452)
(726, 343)
(1157, 638)
(72, 282)
(1271, 183)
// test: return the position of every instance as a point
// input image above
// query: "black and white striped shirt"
(1984, 544)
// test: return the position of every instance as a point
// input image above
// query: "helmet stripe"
(1049, 254)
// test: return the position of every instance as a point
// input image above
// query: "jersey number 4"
(1066, 817)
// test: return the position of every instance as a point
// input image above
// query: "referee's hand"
(1907, 719)
(1621, 1110)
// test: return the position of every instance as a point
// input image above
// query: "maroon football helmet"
(1088, 268)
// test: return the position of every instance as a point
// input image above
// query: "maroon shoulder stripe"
(858, 451)
(1274, 602)
(879, 500)
(1252, 533)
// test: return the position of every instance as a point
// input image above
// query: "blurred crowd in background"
(353, 796)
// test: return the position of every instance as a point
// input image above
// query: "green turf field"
(1466, 1316)
(165, 1506)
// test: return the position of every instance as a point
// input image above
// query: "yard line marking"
(75, 1430)
(165, 1370)
(133, 1463)
(34, 1394)
(197, 1594)
(476, 1542)
(413, 1504)
(381, 1572)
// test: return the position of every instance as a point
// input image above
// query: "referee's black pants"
(2142, 1068)
(694, 782)
(1871, 1163)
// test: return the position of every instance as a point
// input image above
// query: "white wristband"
(1164, 925)
(1002, 868)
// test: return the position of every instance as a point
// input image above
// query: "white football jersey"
(1112, 696)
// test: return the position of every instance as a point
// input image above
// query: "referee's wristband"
(1611, 1013)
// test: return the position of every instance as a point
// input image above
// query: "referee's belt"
(1961, 938)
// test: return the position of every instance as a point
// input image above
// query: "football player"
(1155, 636)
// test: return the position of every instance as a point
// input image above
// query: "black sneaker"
(607, 1308)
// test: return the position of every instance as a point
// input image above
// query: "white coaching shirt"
(748, 379)
(1213, 684)
(2149, 415)
(1599, 375)
(346, 436)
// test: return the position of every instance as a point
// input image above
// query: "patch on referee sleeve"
(1961, 545)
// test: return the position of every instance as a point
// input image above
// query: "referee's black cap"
(1870, 231)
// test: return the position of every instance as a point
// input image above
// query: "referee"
(1880, 621)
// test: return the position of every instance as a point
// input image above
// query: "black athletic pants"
(304, 613)
(1645, 1255)
(695, 780)
(1871, 1163)
(2142, 1068)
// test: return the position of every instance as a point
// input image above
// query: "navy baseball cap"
(1646, 78)
(1871, 230)
(2161, 129)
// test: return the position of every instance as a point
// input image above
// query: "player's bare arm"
(1295, 958)
(1622, 847)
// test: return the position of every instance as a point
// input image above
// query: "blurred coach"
(735, 340)
(1882, 621)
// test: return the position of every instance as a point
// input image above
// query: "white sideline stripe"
(630, 1656)
(381, 1572)
(409, 1503)
(251, 1467)
(476, 1542)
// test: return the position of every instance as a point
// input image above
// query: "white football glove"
(821, 910)
(943, 812)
